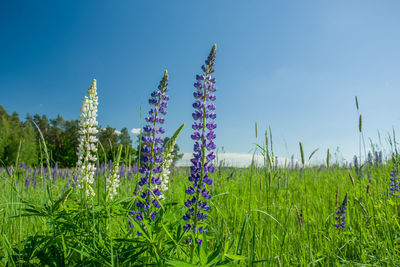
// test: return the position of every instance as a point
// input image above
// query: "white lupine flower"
(87, 142)
(113, 182)
(165, 174)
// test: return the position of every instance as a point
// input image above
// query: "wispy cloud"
(135, 130)
(229, 159)
(237, 160)
(117, 132)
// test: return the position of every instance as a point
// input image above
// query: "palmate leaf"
(131, 255)
(46, 211)
(62, 199)
(170, 236)
(139, 228)
(44, 251)
(96, 258)
(215, 256)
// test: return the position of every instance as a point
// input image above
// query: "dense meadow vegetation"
(141, 210)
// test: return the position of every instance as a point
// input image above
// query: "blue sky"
(292, 65)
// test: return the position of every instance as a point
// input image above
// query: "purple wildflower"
(203, 136)
(33, 178)
(122, 171)
(27, 181)
(153, 215)
(357, 168)
(340, 219)
(151, 159)
(394, 177)
(55, 172)
(129, 221)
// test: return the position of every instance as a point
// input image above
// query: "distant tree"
(108, 140)
(17, 139)
(3, 112)
(29, 149)
(124, 138)
(5, 134)
(11, 150)
(61, 138)
(42, 123)
(54, 140)
(70, 141)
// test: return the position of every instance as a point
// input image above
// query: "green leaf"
(62, 199)
(203, 252)
(179, 263)
(139, 228)
(242, 236)
(235, 257)
(273, 218)
(8, 250)
(213, 259)
(170, 236)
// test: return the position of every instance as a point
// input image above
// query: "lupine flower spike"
(113, 181)
(394, 177)
(203, 136)
(152, 159)
(87, 142)
(340, 219)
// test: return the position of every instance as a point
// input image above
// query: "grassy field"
(259, 216)
(265, 215)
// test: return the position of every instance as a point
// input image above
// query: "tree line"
(21, 139)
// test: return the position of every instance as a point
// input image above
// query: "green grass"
(258, 217)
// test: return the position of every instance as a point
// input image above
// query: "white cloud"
(135, 130)
(117, 132)
(229, 159)
(236, 160)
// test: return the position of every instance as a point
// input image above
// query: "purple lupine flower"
(151, 159)
(341, 211)
(102, 169)
(74, 181)
(356, 167)
(97, 170)
(129, 221)
(54, 174)
(394, 177)
(203, 136)
(369, 158)
(122, 171)
(380, 157)
(27, 181)
(33, 179)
